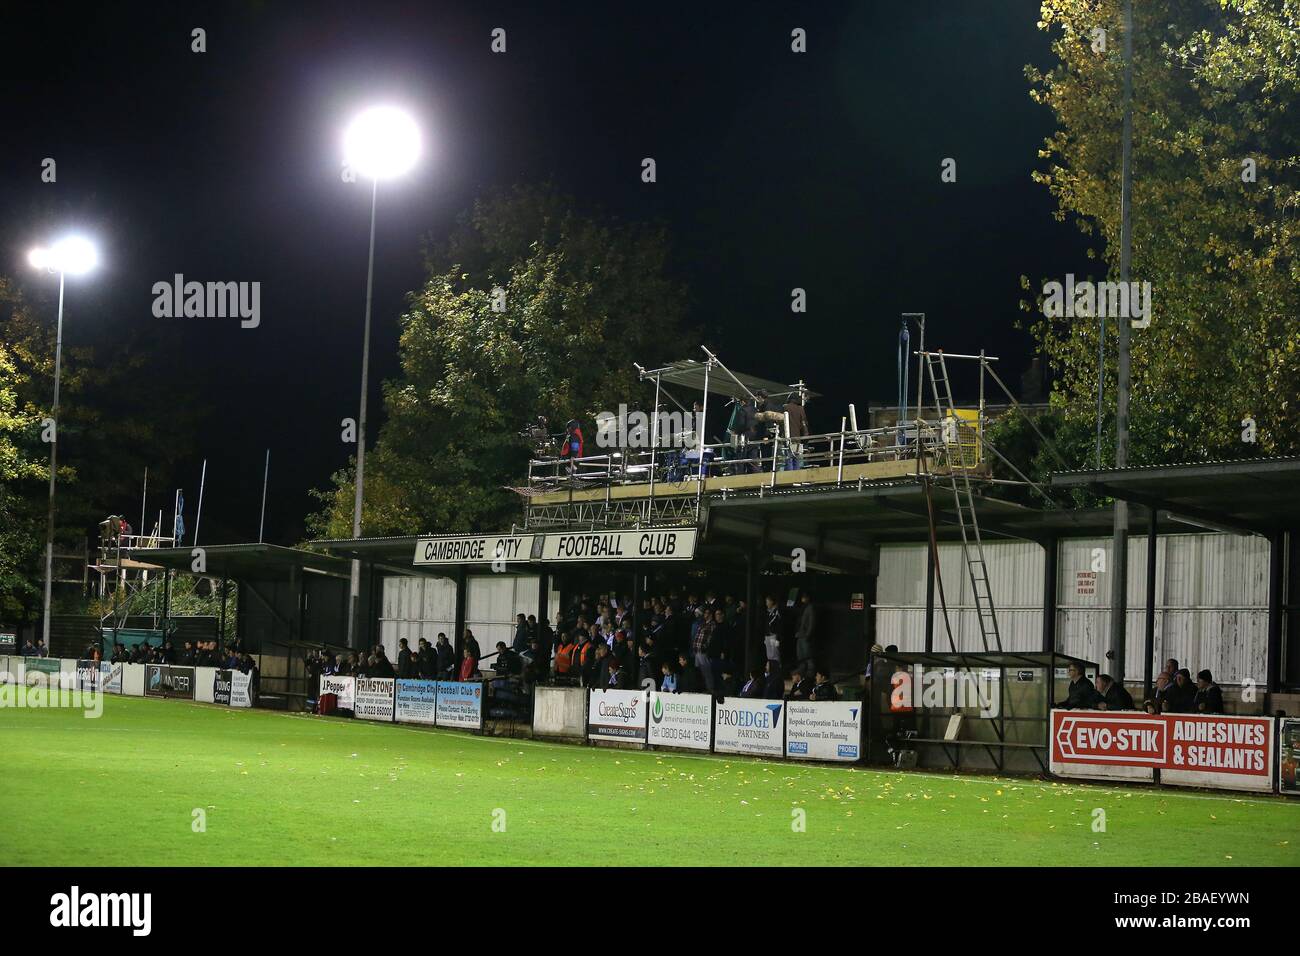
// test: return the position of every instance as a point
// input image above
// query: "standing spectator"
(803, 635)
(1113, 694)
(772, 630)
(546, 640)
(29, 649)
(405, 667)
(468, 666)
(700, 648)
(689, 680)
(520, 643)
(446, 658)
(471, 645)
(717, 648)
(41, 649)
(564, 654)
(426, 660)
(1209, 698)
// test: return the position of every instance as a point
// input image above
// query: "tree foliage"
(530, 308)
(1216, 87)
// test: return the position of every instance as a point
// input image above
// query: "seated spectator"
(1082, 695)
(41, 649)
(615, 680)
(1161, 691)
(756, 687)
(380, 666)
(773, 682)
(507, 662)
(29, 649)
(726, 683)
(824, 688)
(801, 686)
(667, 679)
(1181, 698)
(1209, 698)
(1113, 694)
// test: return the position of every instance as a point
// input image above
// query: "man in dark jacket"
(1181, 697)
(426, 660)
(774, 685)
(382, 667)
(1081, 695)
(405, 665)
(520, 643)
(800, 687)
(1209, 698)
(1113, 694)
(689, 680)
(824, 689)
(446, 658)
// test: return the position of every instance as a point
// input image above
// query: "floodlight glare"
(72, 256)
(382, 142)
(75, 255)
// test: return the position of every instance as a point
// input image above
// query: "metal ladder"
(972, 547)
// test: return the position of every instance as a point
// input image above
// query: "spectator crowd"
(1174, 692)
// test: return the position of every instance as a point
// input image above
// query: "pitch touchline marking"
(721, 758)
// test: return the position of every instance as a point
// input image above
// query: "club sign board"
(650, 544)
(474, 549)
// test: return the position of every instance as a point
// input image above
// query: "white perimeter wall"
(1211, 600)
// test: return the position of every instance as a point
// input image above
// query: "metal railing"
(948, 443)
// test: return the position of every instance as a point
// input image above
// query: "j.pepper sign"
(1195, 749)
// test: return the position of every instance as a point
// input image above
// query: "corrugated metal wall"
(415, 607)
(1211, 600)
(1015, 578)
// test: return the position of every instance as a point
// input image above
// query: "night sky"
(775, 170)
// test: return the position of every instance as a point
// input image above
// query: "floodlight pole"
(354, 595)
(1119, 546)
(54, 464)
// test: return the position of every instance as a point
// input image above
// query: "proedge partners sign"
(749, 727)
(681, 720)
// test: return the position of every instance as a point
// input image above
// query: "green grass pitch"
(281, 789)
